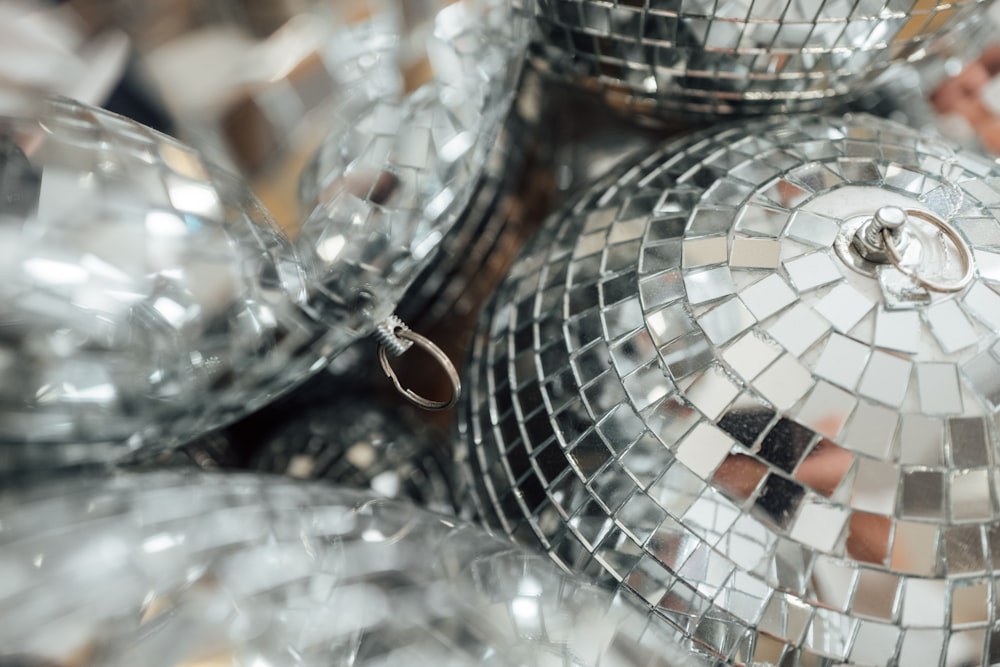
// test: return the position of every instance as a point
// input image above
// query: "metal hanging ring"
(439, 356)
(963, 250)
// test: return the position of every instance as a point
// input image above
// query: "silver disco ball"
(754, 378)
(149, 298)
(340, 428)
(739, 56)
(144, 293)
(170, 569)
(389, 183)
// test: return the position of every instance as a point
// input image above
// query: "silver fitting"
(886, 226)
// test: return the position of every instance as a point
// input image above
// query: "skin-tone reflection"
(962, 95)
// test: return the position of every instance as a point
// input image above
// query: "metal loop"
(963, 250)
(439, 356)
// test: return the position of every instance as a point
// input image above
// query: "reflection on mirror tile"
(708, 285)
(826, 409)
(705, 251)
(798, 328)
(950, 326)
(842, 361)
(761, 219)
(886, 378)
(751, 354)
(939, 390)
(812, 270)
(922, 495)
(970, 496)
(921, 440)
(843, 307)
(968, 442)
(755, 253)
(785, 382)
(897, 330)
(726, 321)
(768, 296)
(814, 229)
(871, 430)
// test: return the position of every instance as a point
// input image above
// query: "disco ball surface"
(144, 293)
(741, 56)
(693, 386)
(172, 569)
(390, 182)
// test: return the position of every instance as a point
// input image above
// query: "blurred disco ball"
(144, 293)
(479, 244)
(259, 85)
(148, 296)
(169, 569)
(386, 186)
(953, 91)
(699, 385)
(736, 57)
(337, 427)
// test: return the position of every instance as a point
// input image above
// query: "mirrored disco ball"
(170, 569)
(481, 241)
(699, 384)
(386, 186)
(951, 90)
(144, 293)
(739, 56)
(257, 85)
(340, 428)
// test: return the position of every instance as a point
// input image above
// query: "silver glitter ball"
(742, 56)
(339, 428)
(388, 184)
(144, 293)
(700, 385)
(172, 569)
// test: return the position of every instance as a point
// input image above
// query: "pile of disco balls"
(511, 332)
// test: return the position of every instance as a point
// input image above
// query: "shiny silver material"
(884, 229)
(145, 294)
(148, 297)
(172, 569)
(733, 57)
(388, 184)
(682, 390)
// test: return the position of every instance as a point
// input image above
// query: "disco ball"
(172, 569)
(480, 242)
(149, 298)
(340, 428)
(144, 293)
(743, 56)
(754, 378)
(389, 184)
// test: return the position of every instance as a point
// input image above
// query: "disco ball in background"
(340, 428)
(148, 297)
(258, 85)
(144, 293)
(482, 241)
(698, 384)
(952, 91)
(384, 191)
(172, 569)
(735, 57)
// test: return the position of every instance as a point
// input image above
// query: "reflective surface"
(387, 185)
(743, 56)
(340, 428)
(682, 389)
(144, 293)
(170, 569)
